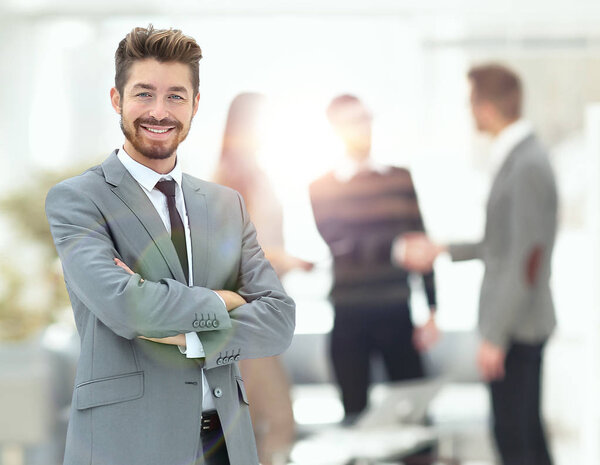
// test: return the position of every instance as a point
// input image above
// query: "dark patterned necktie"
(177, 228)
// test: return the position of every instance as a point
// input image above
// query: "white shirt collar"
(348, 168)
(504, 143)
(145, 176)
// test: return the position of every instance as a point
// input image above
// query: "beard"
(154, 150)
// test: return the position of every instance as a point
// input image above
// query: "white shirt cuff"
(194, 348)
(398, 251)
(221, 299)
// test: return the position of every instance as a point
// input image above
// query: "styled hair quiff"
(500, 86)
(164, 45)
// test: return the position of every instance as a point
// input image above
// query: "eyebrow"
(141, 85)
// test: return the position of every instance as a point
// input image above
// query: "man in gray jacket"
(516, 312)
(168, 283)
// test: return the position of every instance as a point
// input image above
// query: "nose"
(159, 110)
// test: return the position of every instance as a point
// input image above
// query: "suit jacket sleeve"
(465, 251)
(128, 306)
(265, 325)
(507, 286)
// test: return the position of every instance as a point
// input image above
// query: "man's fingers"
(485, 371)
(125, 267)
(491, 368)
(417, 339)
(499, 370)
(122, 265)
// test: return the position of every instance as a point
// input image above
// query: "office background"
(407, 60)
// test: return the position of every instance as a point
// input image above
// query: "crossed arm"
(232, 301)
(165, 308)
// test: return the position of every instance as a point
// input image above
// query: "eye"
(143, 94)
(176, 97)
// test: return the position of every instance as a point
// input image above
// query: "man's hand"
(232, 299)
(125, 267)
(178, 340)
(490, 360)
(415, 252)
(425, 337)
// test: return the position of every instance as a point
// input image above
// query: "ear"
(115, 99)
(196, 103)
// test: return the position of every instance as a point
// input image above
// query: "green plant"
(32, 291)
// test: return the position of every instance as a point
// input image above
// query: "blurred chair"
(454, 357)
(307, 359)
(27, 418)
(36, 382)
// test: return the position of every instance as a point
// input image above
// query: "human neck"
(499, 126)
(358, 155)
(161, 166)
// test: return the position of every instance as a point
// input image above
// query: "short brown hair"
(500, 86)
(339, 106)
(164, 45)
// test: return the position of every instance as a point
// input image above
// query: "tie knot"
(167, 187)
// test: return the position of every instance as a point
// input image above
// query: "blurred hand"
(490, 360)
(415, 252)
(298, 263)
(282, 262)
(425, 337)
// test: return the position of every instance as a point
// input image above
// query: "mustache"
(167, 122)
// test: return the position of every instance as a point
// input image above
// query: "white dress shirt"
(348, 168)
(147, 179)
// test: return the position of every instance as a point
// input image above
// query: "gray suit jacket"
(515, 301)
(138, 402)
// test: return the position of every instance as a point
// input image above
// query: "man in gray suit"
(168, 284)
(516, 312)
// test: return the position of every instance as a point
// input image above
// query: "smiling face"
(156, 108)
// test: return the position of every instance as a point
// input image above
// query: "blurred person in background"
(238, 168)
(516, 311)
(359, 209)
(168, 284)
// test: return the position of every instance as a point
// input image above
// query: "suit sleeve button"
(203, 324)
(215, 323)
(218, 392)
(237, 357)
(219, 361)
(195, 323)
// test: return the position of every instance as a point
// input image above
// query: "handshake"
(414, 251)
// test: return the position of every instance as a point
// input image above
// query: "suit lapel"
(197, 211)
(132, 195)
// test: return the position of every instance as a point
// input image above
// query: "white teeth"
(158, 131)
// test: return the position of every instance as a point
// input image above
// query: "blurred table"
(342, 445)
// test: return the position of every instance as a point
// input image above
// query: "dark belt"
(210, 422)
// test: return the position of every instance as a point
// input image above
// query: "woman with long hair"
(265, 379)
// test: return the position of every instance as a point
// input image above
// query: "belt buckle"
(207, 422)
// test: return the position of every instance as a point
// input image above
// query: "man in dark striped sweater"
(360, 209)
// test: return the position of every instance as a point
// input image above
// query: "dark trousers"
(214, 448)
(517, 426)
(359, 333)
